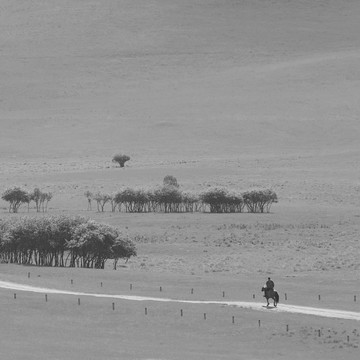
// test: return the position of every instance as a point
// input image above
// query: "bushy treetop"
(170, 180)
(15, 196)
(121, 159)
(62, 241)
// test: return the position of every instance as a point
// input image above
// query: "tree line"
(16, 197)
(170, 199)
(62, 241)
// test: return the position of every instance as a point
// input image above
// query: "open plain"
(238, 94)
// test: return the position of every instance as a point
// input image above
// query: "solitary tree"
(121, 159)
(170, 180)
(15, 196)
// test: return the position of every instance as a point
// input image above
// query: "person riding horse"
(270, 292)
(269, 287)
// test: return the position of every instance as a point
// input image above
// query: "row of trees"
(171, 199)
(16, 197)
(62, 241)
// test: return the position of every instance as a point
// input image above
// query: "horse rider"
(269, 285)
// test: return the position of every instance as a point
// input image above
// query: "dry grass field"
(235, 93)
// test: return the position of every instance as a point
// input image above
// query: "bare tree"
(36, 197)
(45, 198)
(89, 197)
(101, 200)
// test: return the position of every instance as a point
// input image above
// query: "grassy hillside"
(178, 79)
(234, 93)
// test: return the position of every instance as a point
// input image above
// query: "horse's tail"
(277, 297)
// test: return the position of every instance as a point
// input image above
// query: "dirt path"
(330, 313)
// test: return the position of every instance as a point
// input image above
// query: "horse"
(271, 294)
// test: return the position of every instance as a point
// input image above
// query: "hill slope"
(178, 79)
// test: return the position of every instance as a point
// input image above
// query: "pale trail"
(330, 313)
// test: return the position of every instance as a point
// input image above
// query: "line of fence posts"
(259, 322)
(181, 310)
(192, 290)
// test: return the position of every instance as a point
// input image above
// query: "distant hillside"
(178, 78)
